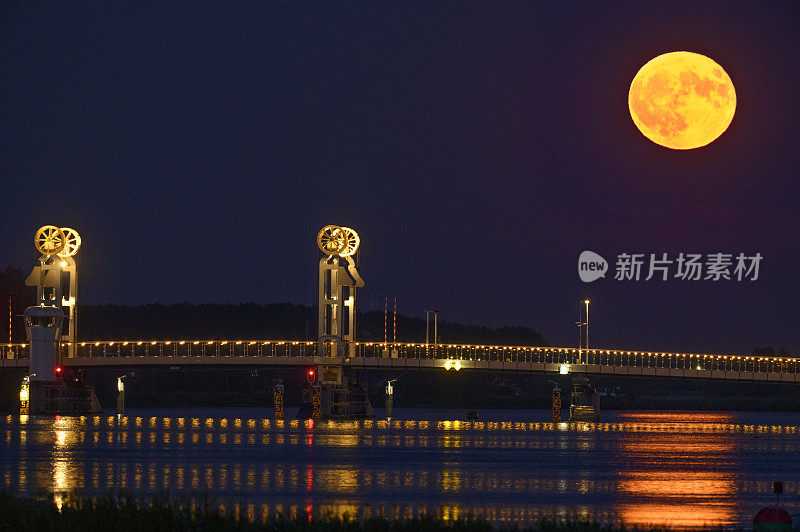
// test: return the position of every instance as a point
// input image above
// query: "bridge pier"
(584, 403)
(48, 389)
(335, 393)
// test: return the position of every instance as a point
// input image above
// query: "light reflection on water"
(680, 468)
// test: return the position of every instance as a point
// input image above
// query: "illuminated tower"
(56, 282)
(338, 281)
(335, 390)
(56, 276)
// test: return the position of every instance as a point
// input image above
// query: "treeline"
(248, 321)
(279, 321)
(13, 292)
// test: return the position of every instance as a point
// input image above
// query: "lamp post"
(587, 324)
(435, 326)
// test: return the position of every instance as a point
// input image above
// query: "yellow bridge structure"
(379, 355)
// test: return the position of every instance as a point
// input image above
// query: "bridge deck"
(185, 353)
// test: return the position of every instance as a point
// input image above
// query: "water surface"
(685, 469)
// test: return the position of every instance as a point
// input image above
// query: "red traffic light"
(310, 374)
(58, 370)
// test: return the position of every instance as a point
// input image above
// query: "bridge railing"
(13, 352)
(478, 353)
(595, 357)
(196, 348)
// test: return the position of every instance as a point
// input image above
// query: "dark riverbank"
(248, 321)
(127, 512)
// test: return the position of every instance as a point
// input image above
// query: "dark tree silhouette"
(12, 286)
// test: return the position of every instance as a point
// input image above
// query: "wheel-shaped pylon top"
(330, 240)
(73, 242)
(351, 242)
(50, 240)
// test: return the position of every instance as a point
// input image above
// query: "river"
(683, 469)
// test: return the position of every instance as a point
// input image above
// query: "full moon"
(682, 100)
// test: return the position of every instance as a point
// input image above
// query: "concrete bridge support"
(43, 328)
(335, 393)
(584, 404)
(49, 392)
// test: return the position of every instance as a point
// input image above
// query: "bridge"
(335, 390)
(411, 356)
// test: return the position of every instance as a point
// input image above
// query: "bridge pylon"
(338, 282)
(335, 391)
(56, 276)
(56, 281)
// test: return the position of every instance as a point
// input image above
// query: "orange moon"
(682, 100)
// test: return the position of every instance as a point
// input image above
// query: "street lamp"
(435, 326)
(586, 301)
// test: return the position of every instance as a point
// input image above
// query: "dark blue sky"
(477, 149)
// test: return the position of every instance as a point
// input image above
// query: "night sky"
(477, 148)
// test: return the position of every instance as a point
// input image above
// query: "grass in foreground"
(123, 512)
